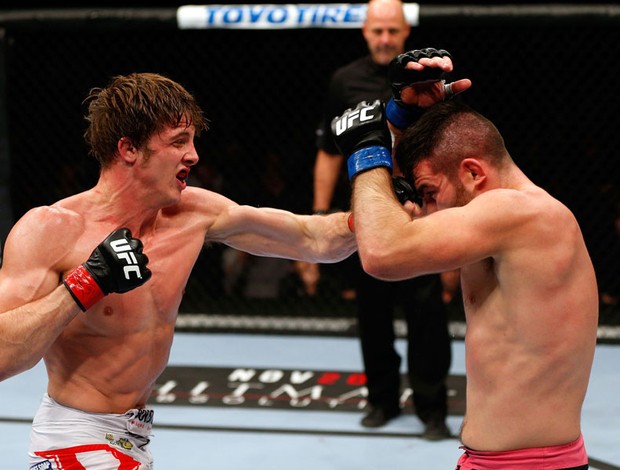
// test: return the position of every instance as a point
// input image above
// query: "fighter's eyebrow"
(179, 134)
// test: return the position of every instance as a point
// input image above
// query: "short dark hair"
(447, 133)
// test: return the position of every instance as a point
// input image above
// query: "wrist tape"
(351, 222)
(400, 116)
(368, 158)
(83, 288)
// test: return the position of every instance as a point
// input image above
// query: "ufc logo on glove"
(123, 251)
(348, 120)
(362, 136)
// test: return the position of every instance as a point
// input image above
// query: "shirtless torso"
(107, 359)
(529, 292)
(531, 329)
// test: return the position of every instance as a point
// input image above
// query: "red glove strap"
(83, 288)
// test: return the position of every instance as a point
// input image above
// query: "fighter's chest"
(478, 281)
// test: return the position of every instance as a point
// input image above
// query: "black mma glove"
(116, 265)
(404, 191)
(398, 113)
(362, 136)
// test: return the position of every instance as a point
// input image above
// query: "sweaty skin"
(107, 359)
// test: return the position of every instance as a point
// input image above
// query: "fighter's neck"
(123, 204)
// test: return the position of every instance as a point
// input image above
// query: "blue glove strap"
(400, 116)
(368, 158)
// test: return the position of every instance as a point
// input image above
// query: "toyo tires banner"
(269, 16)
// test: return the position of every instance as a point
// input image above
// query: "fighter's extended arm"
(279, 233)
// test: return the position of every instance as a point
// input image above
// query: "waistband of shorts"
(136, 421)
(48, 400)
(568, 455)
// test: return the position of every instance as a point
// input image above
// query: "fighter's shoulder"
(200, 200)
(532, 204)
(46, 234)
(502, 197)
(54, 219)
(533, 198)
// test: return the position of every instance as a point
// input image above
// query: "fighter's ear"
(473, 173)
(127, 150)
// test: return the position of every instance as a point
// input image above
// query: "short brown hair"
(136, 106)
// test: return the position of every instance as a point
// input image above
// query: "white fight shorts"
(66, 438)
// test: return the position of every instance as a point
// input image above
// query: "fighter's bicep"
(457, 237)
(267, 232)
(486, 227)
(31, 257)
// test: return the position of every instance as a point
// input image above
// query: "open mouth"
(182, 176)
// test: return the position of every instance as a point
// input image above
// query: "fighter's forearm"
(335, 240)
(378, 220)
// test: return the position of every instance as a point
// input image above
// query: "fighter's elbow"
(375, 262)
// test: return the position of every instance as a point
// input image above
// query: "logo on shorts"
(122, 442)
(142, 416)
(45, 465)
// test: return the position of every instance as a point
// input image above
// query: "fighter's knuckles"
(136, 245)
(418, 55)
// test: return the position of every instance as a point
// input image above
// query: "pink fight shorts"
(570, 456)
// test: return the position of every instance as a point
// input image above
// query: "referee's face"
(385, 30)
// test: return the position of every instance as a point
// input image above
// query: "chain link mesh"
(549, 89)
